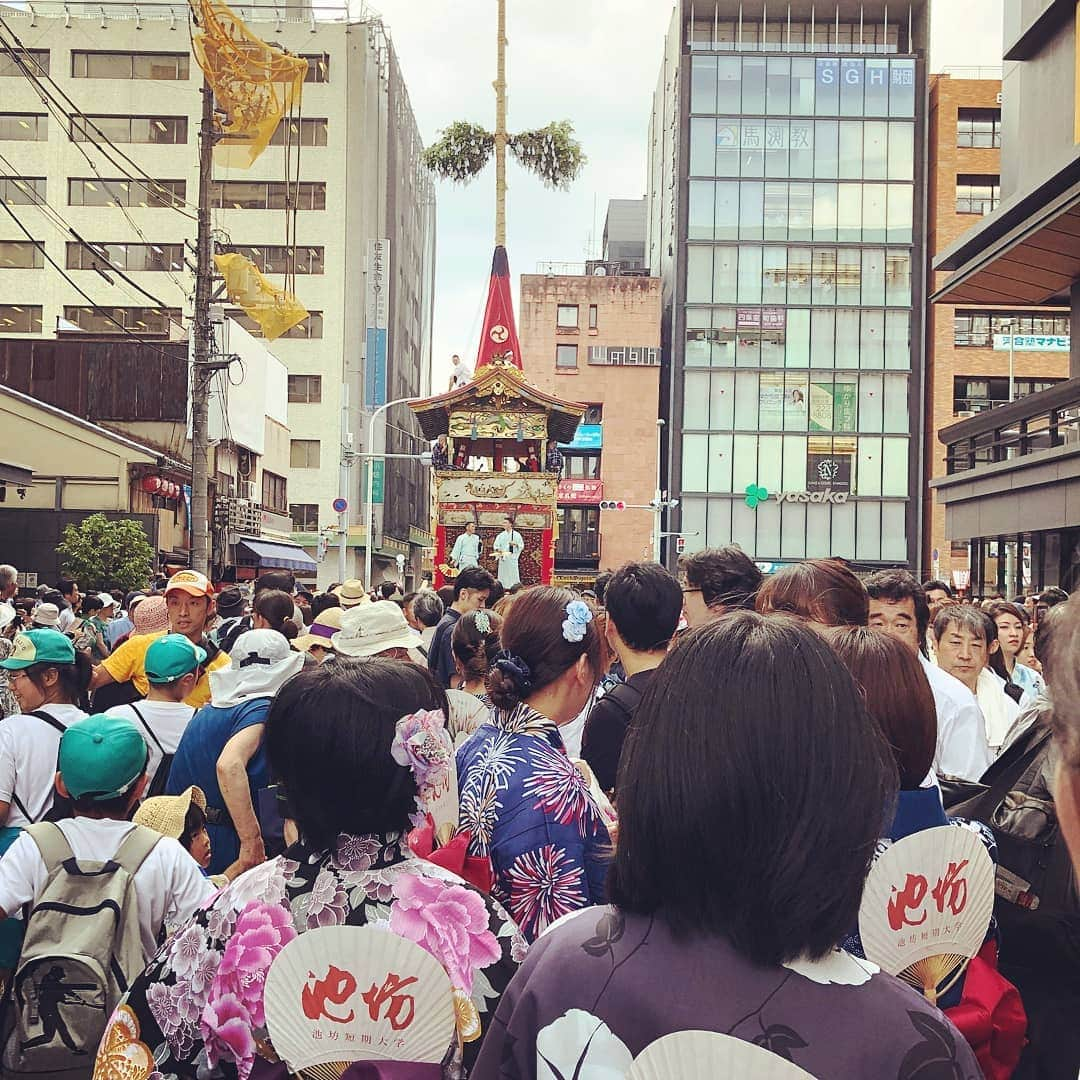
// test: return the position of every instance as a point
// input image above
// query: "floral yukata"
(199, 1005)
(602, 986)
(529, 809)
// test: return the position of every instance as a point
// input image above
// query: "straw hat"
(351, 593)
(151, 616)
(165, 814)
(325, 626)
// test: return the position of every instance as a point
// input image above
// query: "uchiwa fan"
(708, 1055)
(344, 994)
(927, 906)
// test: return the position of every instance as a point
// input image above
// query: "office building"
(786, 184)
(128, 72)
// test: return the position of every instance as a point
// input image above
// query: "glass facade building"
(787, 193)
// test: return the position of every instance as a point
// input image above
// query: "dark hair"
(1053, 596)
(644, 602)
(532, 635)
(784, 876)
(726, 576)
(408, 598)
(897, 695)
(495, 593)
(117, 807)
(281, 580)
(194, 823)
(1007, 607)
(90, 604)
(995, 661)
(388, 588)
(600, 585)
(474, 649)
(427, 607)
(74, 678)
(936, 584)
(322, 601)
(65, 586)
(897, 585)
(473, 577)
(277, 607)
(328, 738)
(969, 618)
(54, 597)
(822, 590)
(446, 595)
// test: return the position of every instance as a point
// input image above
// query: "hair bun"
(515, 669)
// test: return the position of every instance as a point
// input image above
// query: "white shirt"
(961, 738)
(461, 373)
(998, 709)
(167, 719)
(169, 884)
(28, 750)
(66, 621)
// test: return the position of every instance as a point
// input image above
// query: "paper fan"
(708, 1055)
(927, 906)
(354, 993)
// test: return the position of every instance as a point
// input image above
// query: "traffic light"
(612, 504)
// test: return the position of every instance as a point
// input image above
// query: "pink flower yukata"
(200, 1002)
(529, 809)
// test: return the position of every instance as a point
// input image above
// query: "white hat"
(106, 600)
(46, 615)
(262, 662)
(7, 615)
(370, 629)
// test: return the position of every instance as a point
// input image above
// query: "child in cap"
(173, 667)
(183, 817)
(103, 771)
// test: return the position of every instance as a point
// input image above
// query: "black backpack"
(61, 806)
(161, 777)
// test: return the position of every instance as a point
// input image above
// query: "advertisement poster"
(828, 472)
(833, 406)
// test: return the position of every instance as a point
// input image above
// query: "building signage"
(1031, 343)
(838, 498)
(859, 73)
(378, 480)
(587, 437)
(765, 318)
(376, 312)
(828, 472)
(762, 135)
(581, 491)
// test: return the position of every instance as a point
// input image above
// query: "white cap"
(106, 599)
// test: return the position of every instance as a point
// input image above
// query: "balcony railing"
(1031, 425)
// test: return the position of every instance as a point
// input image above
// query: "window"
(977, 194)
(22, 190)
(318, 67)
(21, 254)
(273, 492)
(305, 132)
(305, 517)
(305, 389)
(567, 318)
(594, 414)
(20, 319)
(304, 453)
(976, 393)
(144, 193)
(130, 65)
(266, 195)
(581, 466)
(274, 258)
(566, 356)
(977, 328)
(153, 322)
(35, 59)
(593, 316)
(978, 127)
(129, 129)
(311, 327)
(125, 256)
(579, 535)
(24, 127)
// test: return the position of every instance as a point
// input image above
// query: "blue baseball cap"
(172, 657)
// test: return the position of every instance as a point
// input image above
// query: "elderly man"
(9, 582)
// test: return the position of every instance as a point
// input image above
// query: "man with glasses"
(717, 580)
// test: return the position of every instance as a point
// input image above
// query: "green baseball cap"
(39, 647)
(172, 657)
(101, 757)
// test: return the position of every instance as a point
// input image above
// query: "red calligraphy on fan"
(951, 891)
(336, 988)
(400, 1008)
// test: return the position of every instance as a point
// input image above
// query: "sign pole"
(346, 461)
(1012, 381)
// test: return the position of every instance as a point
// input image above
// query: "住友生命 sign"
(1031, 342)
(581, 491)
(376, 313)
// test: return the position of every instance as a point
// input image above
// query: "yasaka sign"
(836, 497)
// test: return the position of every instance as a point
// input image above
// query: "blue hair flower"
(578, 617)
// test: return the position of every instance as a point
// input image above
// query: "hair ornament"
(482, 621)
(578, 617)
(422, 742)
(516, 669)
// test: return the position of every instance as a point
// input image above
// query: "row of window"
(275, 492)
(976, 393)
(567, 317)
(750, 34)
(310, 328)
(751, 274)
(281, 258)
(169, 67)
(83, 191)
(724, 463)
(779, 86)
(155, 322)
(849, 338)
(867, 531)
(847, 213)
(305, 389)
(795, 401)
(977, 194)
(796, 149)
(980, 128)
(20, 319)
(977, 328)
(125, 256)
(267, 195)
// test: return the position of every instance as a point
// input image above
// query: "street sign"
(1031, 343)
(340, 505)
(612, 504)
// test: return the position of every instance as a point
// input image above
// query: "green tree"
(98, 554)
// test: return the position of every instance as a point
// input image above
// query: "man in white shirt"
(103, 771)
(173, 665)
(460, 373)
(898, 607)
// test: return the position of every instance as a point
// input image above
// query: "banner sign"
(376, 312)
(828, 472)
(581, 491)
(1031, 343)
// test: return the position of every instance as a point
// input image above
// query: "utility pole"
(202, 346)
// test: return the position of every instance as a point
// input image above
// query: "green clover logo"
(755, 495)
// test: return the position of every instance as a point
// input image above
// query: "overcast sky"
(593, 62)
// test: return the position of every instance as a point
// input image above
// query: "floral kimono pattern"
(198, 1007)
(529, 809)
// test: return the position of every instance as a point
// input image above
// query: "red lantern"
(151, 484)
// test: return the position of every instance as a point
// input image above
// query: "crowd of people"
(667, 794)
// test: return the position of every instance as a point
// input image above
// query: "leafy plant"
(461, 152)
(99, 553)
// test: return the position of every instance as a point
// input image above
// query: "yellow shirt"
(128, 664)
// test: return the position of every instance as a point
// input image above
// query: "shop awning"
(279, 556)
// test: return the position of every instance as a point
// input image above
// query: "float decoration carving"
(494, 487)
(501, 424)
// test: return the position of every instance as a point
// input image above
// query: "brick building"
(596, 340)
(964, 373)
